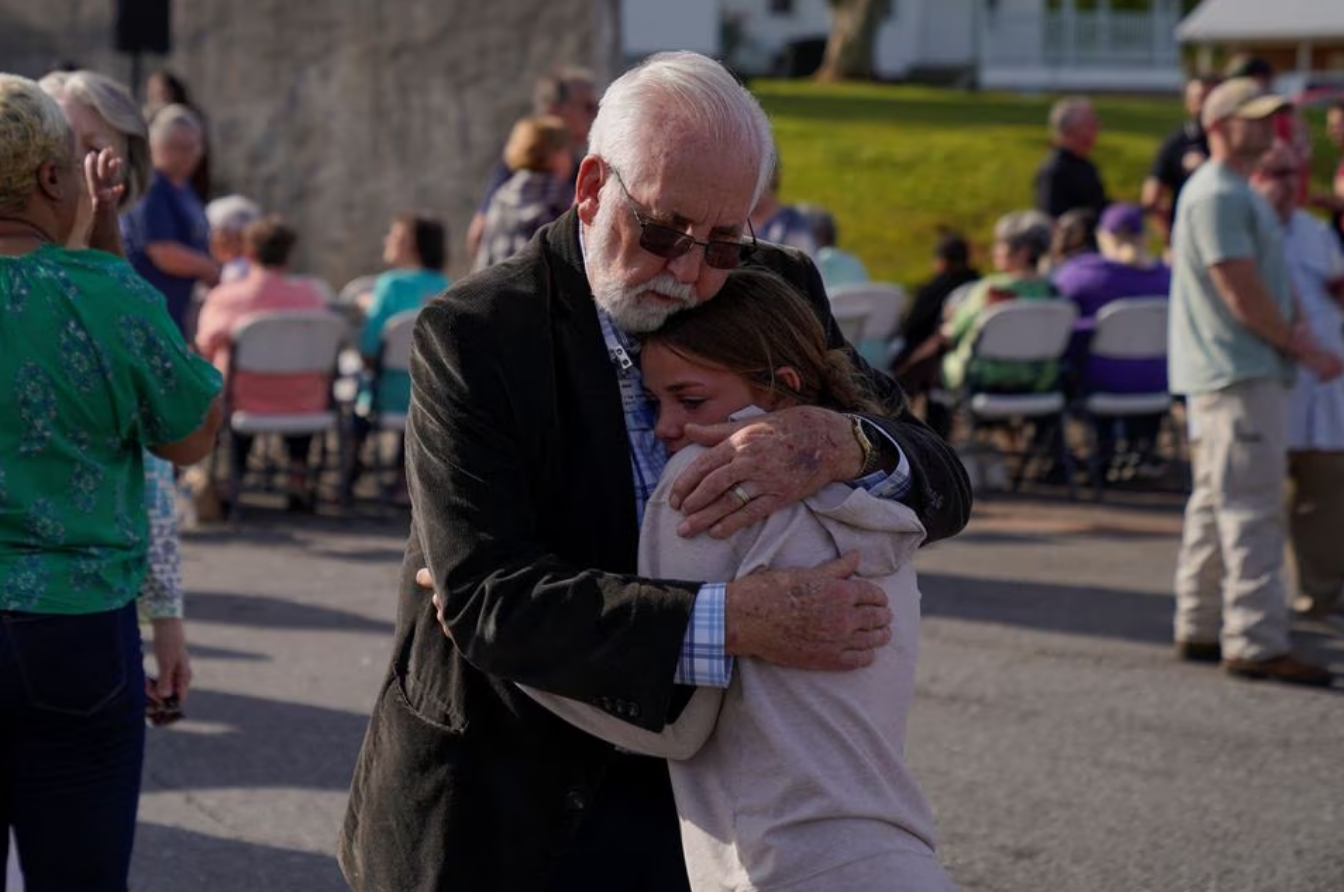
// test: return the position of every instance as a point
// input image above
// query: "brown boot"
(1285, 668)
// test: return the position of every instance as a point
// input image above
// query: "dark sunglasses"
(664, 241)
(1278, 173)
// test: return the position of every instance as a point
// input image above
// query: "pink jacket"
(261, 290)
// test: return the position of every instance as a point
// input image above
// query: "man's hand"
(1326, 366)
(808, 619)
(756, 467)
(1304, 347)
(426, 581)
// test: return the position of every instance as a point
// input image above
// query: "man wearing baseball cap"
(1235, 337)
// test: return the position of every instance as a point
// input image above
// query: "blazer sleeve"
(940, 491)
(515, 609)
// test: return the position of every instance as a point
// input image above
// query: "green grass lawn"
(895, 162)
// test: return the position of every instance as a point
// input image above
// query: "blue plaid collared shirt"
(704, 662)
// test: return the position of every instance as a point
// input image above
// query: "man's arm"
(1239, 286)
(519, 611)
(789, 455)
(1155, 198)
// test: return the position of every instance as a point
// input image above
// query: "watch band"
(872, 455)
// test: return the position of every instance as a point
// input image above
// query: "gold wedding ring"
(739, 493)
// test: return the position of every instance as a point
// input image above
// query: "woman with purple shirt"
(1122, 269)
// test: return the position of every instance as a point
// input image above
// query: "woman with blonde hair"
(539, 154)
(104, 115)
(93, 372)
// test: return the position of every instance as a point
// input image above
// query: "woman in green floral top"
(92, 371)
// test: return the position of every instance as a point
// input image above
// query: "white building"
(1002, 44)
(1302, 39)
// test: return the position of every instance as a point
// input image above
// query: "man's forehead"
(689, 190)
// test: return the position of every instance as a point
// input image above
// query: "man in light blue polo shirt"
(1234, 340)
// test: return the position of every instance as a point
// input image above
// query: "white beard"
(631, 307)
(635, 312)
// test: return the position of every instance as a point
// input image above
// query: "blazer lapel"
(582, 359)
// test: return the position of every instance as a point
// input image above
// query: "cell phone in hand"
(160, 711)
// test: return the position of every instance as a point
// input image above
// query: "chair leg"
(235, 487)
(1061, 439)
(1096, 470)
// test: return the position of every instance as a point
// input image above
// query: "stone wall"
(339, 113)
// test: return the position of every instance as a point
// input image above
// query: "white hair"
(697, 93)
(232, 213)
(174, 117)
(33, 131)
(1025, 229)
(114, 104)
(1067, 113)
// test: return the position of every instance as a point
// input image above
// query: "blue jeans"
(72, 740)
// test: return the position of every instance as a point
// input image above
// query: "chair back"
(880, 303)
(957, 297)
(319, 284)
(395, 353)
(851, 320)
(1025, 330)
(354, 288)
(1131, 328)
(287, 342)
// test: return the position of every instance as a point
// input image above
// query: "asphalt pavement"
(1062, 747)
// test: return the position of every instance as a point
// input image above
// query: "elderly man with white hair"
(1068, 178)
(228, 217)
(531, 453)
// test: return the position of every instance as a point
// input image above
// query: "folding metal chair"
(1133, 328)
(1025, 331)
(286, 342)
(394, 355)
(879, 304)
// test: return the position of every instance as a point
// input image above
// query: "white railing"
(1081, 38)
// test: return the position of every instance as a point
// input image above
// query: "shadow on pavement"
(1085, 610)
(1079, 610)
(168, 859)
(206, 652)
(251, 742)
(274, 613)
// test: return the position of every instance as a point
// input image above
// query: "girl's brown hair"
(757, 324)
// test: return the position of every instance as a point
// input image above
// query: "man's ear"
(592, 173)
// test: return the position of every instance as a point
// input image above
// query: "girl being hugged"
(789, 777)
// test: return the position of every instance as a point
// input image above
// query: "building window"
(781, 7)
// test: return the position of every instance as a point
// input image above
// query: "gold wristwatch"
(872, 452)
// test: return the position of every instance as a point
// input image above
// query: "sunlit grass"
(894, 162)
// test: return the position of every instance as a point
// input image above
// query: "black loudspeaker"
(144, 26)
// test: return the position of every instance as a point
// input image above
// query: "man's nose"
(686, 268)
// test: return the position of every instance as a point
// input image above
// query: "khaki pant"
(1229, 583)
(1316, 527)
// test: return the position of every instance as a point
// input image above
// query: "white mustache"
(666, 284)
